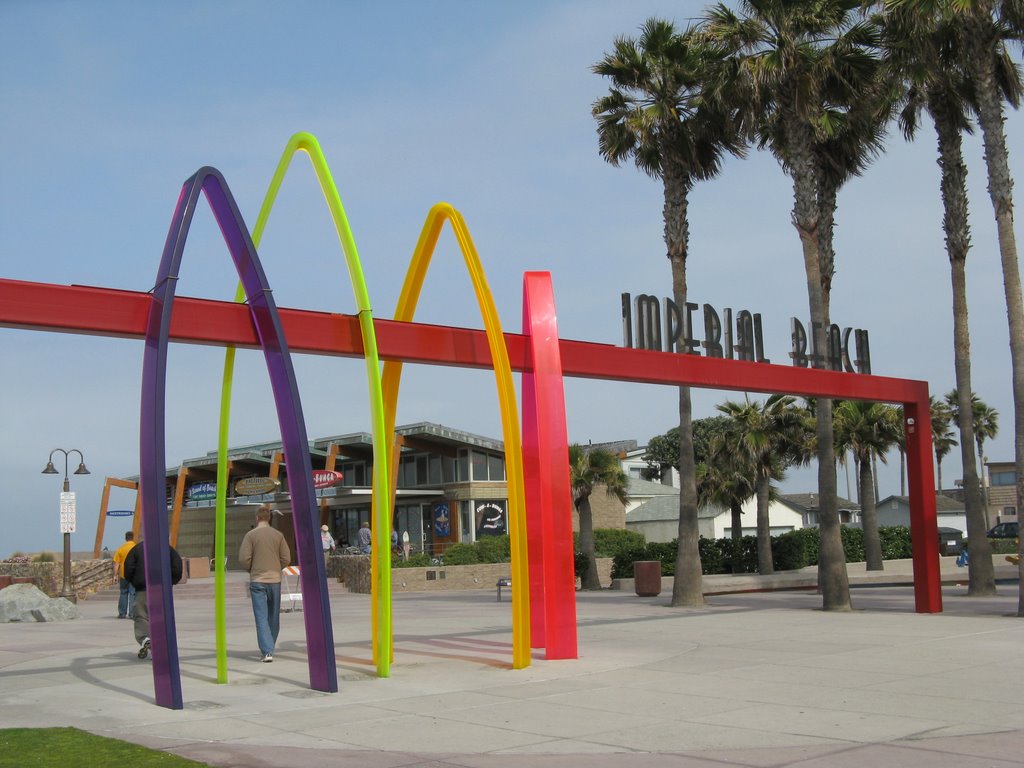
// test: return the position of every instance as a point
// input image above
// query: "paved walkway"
(765, 679)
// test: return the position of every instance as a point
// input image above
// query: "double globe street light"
(67, 523)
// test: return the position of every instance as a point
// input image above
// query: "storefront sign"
(442, 520)
(490, 520)
(739, 338)
(202, 491)
(256, 486)
(325, 478)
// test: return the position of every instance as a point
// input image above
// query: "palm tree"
(798, 55)
(869, 430)
(942, 434)
(923, 53)
(726, 479)
(764, 434)
(587, 470)
(663, 110)
(984, 26)
(986, 427)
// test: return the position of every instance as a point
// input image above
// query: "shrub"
(665, 552)
(418, 560)
(608, 542)
(796, 549)
(461, 554)
(579, 563)
(853, 544)
(895, 542)
(45, 557)
(711, 558)
(1002, 546)
(491, 549)
(622, 561)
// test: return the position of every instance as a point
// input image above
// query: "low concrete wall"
(355, 573)
(87, 576)
(895, 572)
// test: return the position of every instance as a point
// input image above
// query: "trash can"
(647, 577)
(951, 541)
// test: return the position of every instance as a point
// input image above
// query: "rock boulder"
(25, 602)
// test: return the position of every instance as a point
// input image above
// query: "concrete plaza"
(753, 679)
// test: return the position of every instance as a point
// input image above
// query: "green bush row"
(790, 551)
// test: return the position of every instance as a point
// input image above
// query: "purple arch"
(323, 674)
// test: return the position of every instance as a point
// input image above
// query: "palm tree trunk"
(688, 586)
(832, 577)
(981, 481)
(869, 517)
(1000, 189)
(874, 478)
(590, 579)
(938, 464)
(764, 530)
(981, 576)
(736, 536)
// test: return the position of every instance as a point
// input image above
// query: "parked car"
(1004, 531)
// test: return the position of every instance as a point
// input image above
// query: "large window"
(495, 467)
(353, 474)
(479, 463)
(1003, 478)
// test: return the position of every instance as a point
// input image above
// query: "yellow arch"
(391, 381)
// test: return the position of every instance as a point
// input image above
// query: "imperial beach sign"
(664, 327)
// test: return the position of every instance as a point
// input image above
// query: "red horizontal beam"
(109, 312)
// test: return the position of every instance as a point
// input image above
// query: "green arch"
(306, 142)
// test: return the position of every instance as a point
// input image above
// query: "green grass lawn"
(72, 748)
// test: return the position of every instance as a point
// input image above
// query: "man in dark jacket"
(135, 572)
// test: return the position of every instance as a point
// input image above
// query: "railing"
(97, 575)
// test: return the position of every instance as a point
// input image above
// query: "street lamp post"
(67, 523)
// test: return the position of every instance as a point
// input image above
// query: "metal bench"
(506, 582)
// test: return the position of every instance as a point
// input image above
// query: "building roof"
(942, 503)
(615, 447)
(667, 508)
(808, 502)
(257, 458)
(640, 487)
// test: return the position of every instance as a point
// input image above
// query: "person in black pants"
(135, 572)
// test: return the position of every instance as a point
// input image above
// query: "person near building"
(326, 540)
(365, 538)
(264, 552)
(135, 572)
(126, 600)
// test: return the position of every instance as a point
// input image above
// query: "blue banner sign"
(120, 512)
(202, 491)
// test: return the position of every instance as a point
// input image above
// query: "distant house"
(806, 504)
(635, 465)
(654, 511)
(1002, 490)
(895, 510)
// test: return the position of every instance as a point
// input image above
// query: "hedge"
(790, 551)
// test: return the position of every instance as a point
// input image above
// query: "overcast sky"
(110, 106)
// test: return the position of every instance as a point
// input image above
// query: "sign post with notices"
(67, 512)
